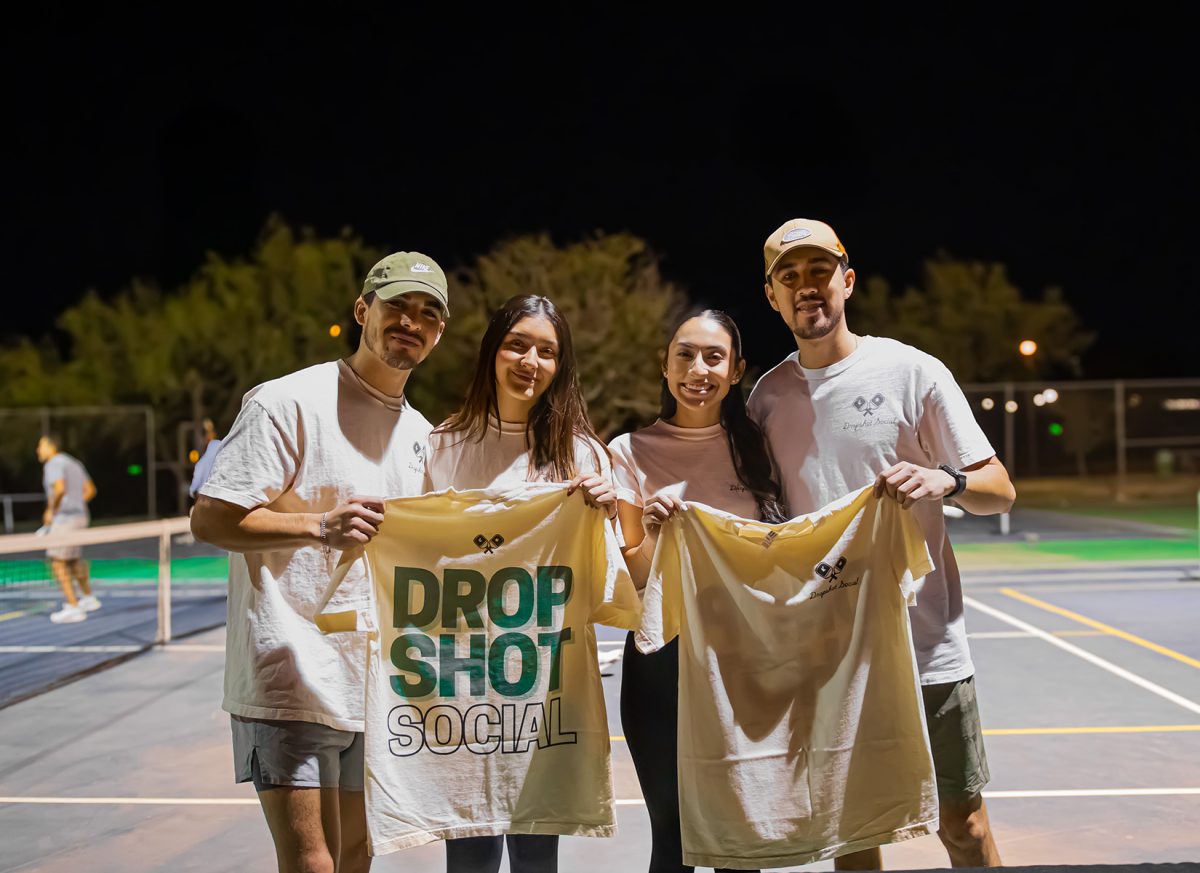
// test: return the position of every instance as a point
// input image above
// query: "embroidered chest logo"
(487, 546)
(867, 406)
(825, 571)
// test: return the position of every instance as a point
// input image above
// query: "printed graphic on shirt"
(483, 681)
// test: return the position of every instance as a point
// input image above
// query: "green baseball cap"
(404, 272)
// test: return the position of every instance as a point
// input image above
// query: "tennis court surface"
(1088, 674)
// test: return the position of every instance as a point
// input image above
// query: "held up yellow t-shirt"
(801, 730)
(485, 713)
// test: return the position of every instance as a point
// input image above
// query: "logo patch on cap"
(797, 233)
(421, 268)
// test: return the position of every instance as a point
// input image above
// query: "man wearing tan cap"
(284, 497)
(843, 411)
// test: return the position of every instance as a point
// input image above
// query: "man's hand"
(353, 523)
(47, 517)
(910, 483)
(657, 510)
(598, 491)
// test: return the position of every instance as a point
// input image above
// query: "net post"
(164, 586)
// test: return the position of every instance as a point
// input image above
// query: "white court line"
(44, 650)
(1189, 705)
(632, 801)
(610, 642)
(191, 647)
(999, 635)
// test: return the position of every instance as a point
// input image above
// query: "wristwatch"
(960, 479)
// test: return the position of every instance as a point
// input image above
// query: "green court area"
(117, 571)
(1058, 552)
(1180, 516)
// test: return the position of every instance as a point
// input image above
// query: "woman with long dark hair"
(524, 420)
(703, 448)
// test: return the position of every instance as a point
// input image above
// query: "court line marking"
(1115, 729)
(631, 801)
(1102, 627)
(5, 616)
(1177, 699)
(1022, 635)
(170, 647)
(48, 650)
(1018, 732)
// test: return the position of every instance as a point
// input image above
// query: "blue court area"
(1088, 679)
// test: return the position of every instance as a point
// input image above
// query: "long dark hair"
(747, 447)
(558, 417)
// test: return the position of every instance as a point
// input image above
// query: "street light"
(1028, 348)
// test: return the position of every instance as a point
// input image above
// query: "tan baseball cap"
(403, 272)
(801, 233)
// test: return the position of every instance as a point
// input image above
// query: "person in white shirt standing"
(702, 448)
(69, 489)
(285, 496)
(524, 419)
(845, 410)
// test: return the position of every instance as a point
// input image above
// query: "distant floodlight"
(1010, 406)
(1039, 400)
(1050, 394)
(987, 403)
(335, 330)
(1027, 348)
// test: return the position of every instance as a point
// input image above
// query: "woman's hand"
(657, 510)
(598, 491)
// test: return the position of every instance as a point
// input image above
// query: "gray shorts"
(956, 739)
(299, 754)
(66, 524)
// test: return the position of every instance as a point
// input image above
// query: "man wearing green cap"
(285, 497)
(844, 411)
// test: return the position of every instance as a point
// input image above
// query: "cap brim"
(802, 244)
(408, 286)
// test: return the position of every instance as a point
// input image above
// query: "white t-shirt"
(304, 443)
(805, 732)
(485, 710)
(691, 463)
(833, 430)
(499, 460)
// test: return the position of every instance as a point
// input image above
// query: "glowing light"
(1027, 348)
(1055, 429)
(1050, 394)
(987, 403)
(1039, 400)
(134, 469)
(335, 330)
(1010, 406)
(193, 456)
(1182, 404)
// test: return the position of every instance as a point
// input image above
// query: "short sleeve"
(947, 428)
(618, 605)
(257, 462)
(661, 599)
(911, 561)
(625, 473)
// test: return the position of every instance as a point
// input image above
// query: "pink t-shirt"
(691, 463)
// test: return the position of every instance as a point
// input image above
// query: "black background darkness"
(136, 144)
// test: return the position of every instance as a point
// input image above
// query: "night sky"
(135, 145)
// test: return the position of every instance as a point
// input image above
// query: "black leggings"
(650, 716)
(527, 853)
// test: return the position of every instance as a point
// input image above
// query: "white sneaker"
(90, 603)
(68, 614)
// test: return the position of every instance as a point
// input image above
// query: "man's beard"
(393, 360)
(819, 330)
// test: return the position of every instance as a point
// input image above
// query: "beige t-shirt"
(304, 443)
(691, 463)
(804, 735)
(833, 430)
(485, 711)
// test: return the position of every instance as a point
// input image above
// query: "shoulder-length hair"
(747, 446)
(559, 416)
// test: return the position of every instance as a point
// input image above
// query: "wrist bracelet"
(324, 534)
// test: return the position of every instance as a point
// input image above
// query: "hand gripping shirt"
(805, 734)
(484, 709)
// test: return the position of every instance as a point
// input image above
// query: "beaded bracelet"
(324, 535)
